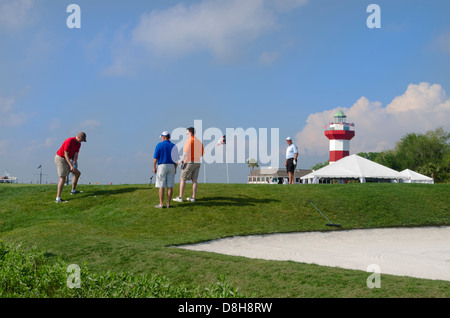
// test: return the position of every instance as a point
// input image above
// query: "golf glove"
(295, 162)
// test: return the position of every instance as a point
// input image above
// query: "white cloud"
(90, 124)
(87, 126)
(422, 97)
(39, 47)
(441, 43)
(221, 27)
(6, 104)
(268, 57)
(50, 141)
(17, 119)
(93, 47)
(9, 118)
(225, 29)
(422, 107)
(287, 5)
(54, 124)
(16, 14)
(123, 54)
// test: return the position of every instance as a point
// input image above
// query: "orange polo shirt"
(193, 148)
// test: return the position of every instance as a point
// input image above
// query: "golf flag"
(39, 167)
(222, 141)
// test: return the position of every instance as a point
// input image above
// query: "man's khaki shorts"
(62, 166)
(191, 171)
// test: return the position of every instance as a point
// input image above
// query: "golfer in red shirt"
(66, 161)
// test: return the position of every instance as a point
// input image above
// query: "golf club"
(328, 224)
(151, 179)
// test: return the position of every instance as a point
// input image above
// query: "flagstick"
(223, 142)
(228, 178)
(204, 172)
(226, 164)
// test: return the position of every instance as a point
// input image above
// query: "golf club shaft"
(320, 212)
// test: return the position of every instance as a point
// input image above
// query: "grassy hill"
(117, 229)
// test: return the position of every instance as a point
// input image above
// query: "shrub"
(31, 274)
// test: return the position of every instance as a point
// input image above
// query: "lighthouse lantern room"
(339, 133)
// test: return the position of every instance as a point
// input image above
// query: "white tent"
(414, 177)
(354, 167)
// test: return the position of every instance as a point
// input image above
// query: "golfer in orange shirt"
(190, 165)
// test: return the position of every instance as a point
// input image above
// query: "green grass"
(31, 274)
(116, 229)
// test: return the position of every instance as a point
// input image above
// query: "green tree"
(427, 153)
(319, 165)
(389, 159)
(369, 155)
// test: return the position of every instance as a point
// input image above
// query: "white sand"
(416, 252)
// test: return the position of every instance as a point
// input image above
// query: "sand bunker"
(417, 252)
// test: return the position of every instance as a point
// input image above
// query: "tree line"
(428, 154)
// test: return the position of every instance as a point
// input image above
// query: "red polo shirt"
(71, 145)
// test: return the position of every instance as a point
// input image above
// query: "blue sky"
(136, 68)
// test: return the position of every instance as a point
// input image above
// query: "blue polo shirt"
(166, 153)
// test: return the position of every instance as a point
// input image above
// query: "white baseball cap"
(288, 138)
(165, 133)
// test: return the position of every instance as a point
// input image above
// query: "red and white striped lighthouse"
(339, 133)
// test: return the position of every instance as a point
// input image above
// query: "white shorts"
(165, 176)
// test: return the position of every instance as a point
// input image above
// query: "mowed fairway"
(116, 228)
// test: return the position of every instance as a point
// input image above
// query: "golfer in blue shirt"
(165, 161)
